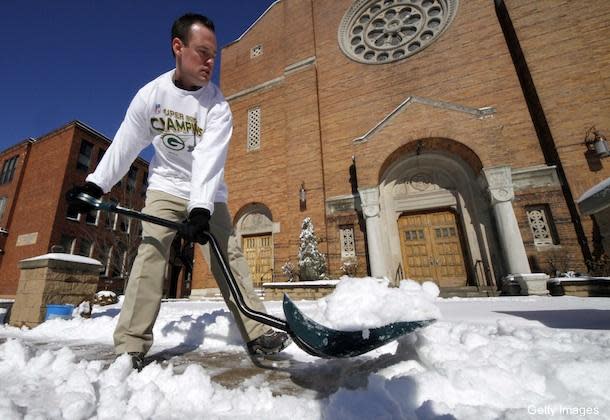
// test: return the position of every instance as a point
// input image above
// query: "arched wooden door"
(431, 248)
(258, 250)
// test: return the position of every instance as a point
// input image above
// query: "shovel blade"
(321, 341)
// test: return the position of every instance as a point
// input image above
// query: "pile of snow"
(488, 372)
(54, 385)
(360, 303)
(206, 326)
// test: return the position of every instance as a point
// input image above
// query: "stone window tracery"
(541, 225)
(254, 128)
(256, 51)
(384, 31)
(348, 246)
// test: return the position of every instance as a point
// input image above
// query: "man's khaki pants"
(145, 287)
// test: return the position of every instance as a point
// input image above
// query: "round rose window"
(382, 31)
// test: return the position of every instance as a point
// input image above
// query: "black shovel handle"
(181, 227)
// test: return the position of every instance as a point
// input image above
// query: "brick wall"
(40, 207)
(36, 205)
(310, 117)
(568, 55)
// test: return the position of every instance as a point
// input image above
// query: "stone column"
(371, 212)
(500, 186)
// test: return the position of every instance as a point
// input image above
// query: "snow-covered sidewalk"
(507, 357)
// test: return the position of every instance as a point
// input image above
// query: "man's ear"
(177, 46)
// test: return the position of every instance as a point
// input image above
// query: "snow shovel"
(312, 337)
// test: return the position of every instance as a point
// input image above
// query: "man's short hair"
(182, 26)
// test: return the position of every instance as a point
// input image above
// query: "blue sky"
(63, 60)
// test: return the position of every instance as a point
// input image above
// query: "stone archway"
(254, 230)
(426, 183)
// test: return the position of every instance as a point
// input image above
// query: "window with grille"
(348, 247)
(254, 128)
(84, 156)
(8, 170)
(541, 224)
(256, 51)
(414, 235)
(445, 232)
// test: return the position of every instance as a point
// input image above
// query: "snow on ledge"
(60, 256)
(302, 283)
(580, 278)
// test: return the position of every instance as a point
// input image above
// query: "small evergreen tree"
(312, 263)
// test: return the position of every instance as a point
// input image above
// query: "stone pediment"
(479, 113)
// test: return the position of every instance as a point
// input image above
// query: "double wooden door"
(258, 251)
(431, 248)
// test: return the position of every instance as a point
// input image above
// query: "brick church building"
(428, 139)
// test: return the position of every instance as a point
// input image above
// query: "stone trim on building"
(483, 112)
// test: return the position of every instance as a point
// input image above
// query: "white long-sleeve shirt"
(190, 132)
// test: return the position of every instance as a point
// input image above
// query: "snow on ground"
(486, 358)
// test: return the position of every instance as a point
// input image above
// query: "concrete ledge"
(582, 287)
(62, 261)
(533, 284)
(299, 290)
(529, 283)
(201, 294)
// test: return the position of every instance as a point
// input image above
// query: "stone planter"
(532, 283)
(583, 286)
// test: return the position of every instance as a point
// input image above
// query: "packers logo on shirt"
(173, 142)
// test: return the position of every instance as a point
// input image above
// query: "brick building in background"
(430, 139)
(34, 216)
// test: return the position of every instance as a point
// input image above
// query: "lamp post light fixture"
(596, 143)
(303, 196)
